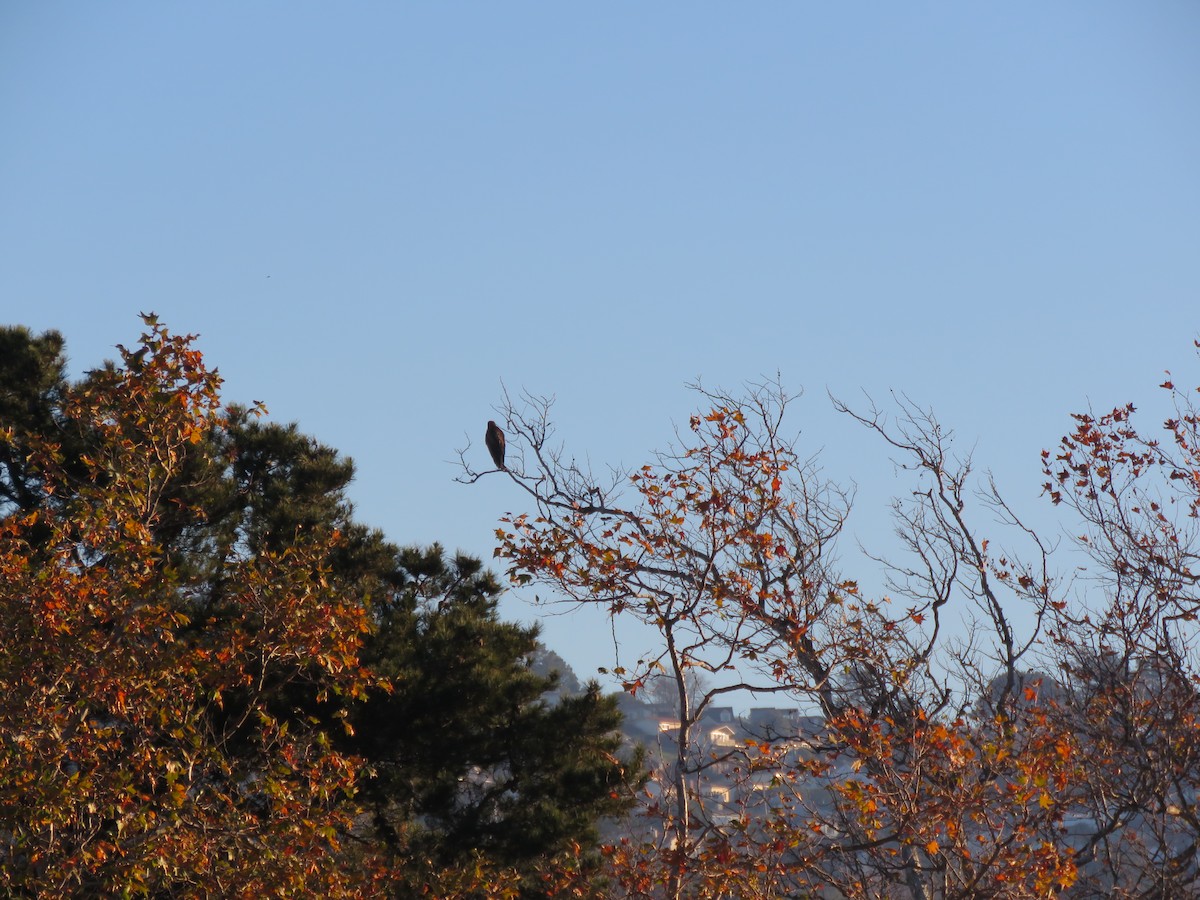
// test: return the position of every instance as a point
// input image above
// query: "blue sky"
(374, 212)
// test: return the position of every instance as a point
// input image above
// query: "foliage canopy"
(1048, 750)
(216, 682)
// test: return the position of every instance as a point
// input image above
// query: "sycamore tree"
(918, 785)
(714, 552)
(216, 682)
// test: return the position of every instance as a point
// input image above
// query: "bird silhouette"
(495, 443)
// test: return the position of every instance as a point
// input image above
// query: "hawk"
(495, 443)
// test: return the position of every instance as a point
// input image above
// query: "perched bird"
(495, 444)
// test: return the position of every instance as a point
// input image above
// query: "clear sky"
(373, 212)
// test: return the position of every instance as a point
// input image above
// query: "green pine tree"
(470, 755)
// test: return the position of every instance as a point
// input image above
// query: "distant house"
(646, 721)
(722, 714)
(767, 723)
(783, 724)
(721, 793)
(722, 736)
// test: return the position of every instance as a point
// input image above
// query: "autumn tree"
(122, 770)
(725, 546)
(217, 682)
(715, 555)
(1129, 648)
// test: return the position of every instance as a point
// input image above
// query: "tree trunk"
(682, 825)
